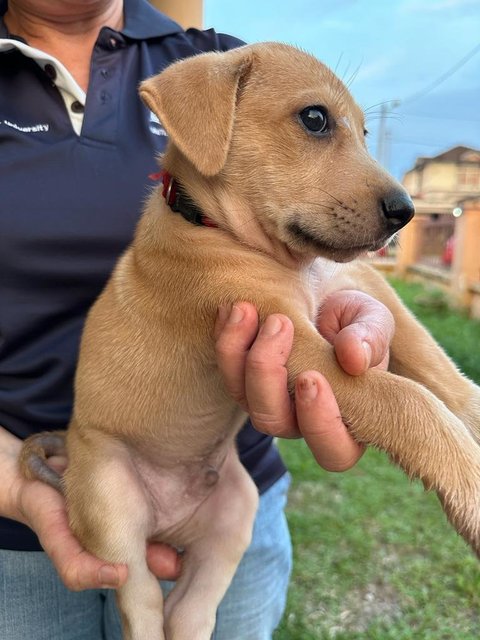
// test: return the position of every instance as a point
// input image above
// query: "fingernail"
(307, 388)
(236, 315)
(108, 576)
(271, 326)
(367, 349)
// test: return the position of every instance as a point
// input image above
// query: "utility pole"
(381, 133)
(384, 135)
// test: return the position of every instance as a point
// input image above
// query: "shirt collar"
(142, 21)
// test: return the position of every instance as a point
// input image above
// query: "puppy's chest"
(324, 277)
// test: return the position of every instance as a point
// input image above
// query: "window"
(469, 177)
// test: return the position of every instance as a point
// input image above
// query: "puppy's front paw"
(463, 512)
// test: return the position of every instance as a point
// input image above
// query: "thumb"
(360, 329)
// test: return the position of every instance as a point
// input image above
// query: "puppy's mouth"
(339, 253)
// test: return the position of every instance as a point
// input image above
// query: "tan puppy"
(269, 145)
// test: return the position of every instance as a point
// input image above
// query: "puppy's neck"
(231, 213)
(239, 218)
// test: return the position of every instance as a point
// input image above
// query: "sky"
(391, 52)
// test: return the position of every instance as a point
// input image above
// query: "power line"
(384, 140)
(406, 114)
(415, 142)
(458, 65)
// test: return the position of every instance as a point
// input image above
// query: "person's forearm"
(10, 447)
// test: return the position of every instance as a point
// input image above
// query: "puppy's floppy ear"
(195, 101)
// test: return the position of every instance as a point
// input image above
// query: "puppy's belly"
(175, 492)
(149, 471)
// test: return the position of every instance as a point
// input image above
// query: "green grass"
(374, 558)
(459, 336)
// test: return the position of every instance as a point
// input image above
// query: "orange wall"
(189, 13)
(466, 266)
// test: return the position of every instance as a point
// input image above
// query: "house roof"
(459, 154)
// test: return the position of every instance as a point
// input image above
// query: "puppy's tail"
(43, 457)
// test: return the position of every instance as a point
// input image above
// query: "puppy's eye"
(315, 119)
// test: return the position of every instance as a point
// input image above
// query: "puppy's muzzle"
(397, 209)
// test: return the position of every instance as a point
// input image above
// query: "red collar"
(180, 202)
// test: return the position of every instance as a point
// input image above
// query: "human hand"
(253, 365)
(43, 509)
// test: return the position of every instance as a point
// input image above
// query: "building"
(437, 184)
(442, 243)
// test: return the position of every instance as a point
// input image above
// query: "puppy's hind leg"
(217, 537)
(140, 602)
(111, 517)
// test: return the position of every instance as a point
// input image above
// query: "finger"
(269, 403)
(163, 561)
(321, 425)
(235, 330)
(45, 513)
(359, 327)
(359, 348)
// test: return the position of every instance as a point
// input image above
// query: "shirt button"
(77, 107)
(50, 71)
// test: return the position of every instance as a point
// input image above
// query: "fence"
(445, 250)
(436, 243)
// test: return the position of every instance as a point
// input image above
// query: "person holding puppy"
(78, 148)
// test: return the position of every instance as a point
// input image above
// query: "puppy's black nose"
(398, 209)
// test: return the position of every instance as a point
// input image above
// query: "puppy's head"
(277, 129)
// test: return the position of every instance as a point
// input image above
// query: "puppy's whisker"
(342, 77)
(352, 78)
(330, 209)
(340, 92)
(325, 214)
(331, 196)
(338, 63)
(377, 104)
(378, 116)
(343, 89)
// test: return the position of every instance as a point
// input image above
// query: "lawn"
(374, 557)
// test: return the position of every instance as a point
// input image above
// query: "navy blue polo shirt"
(71, 192)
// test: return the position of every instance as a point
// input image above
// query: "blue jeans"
(34, 604)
